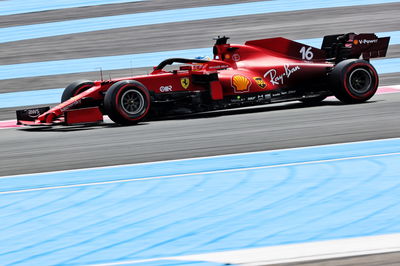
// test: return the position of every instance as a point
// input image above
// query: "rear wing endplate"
(351, 45)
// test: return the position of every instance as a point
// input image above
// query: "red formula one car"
(258, 72)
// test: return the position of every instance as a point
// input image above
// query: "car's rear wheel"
(75, 88)
(127, 102)
(354, 81)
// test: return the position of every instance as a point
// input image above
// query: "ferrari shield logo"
(260, 82)
(185, 82)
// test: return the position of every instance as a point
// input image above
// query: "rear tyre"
(75, 88)
(354, 81)
(127, 102)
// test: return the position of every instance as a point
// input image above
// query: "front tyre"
(127, 102)
(354, 81)
(75, 88)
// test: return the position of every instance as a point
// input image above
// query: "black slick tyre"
(127, 102)
(75, 88)
(354, 81)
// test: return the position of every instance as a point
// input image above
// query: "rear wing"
(289, 48)
(350, 45)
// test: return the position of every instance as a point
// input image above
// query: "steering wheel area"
(171, 61)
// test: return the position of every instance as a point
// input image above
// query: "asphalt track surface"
(251, 129)
(225, 132)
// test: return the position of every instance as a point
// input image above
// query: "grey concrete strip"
(389, 79)
(270, 127)
(197, 34)
(393, 51)
(107, 10)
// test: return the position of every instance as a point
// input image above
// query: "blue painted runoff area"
(194, 206)
(387, 66)
(27, 98)
(170, 262)
(13, 7)
(91, 64)
(25, 32)
(69, 66)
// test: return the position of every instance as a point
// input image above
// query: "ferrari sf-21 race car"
(258, 72)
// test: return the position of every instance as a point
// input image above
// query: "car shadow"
(200, 115)
(72, 128)
(254, 109)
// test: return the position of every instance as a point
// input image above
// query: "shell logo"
(241, 83)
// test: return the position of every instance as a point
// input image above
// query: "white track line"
(197, 173)
(397, 87)
(199, 158)
(302, 252)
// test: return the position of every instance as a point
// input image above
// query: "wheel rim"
(360, 81)
(132, 102)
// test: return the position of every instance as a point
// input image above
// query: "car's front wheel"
(75, 88)
(127, 102)
(354, 81)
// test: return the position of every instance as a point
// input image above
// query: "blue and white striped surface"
(35, 97)
(25, 32)
(154, 210)
(134, 212)
(13, 7)
(69, 66)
